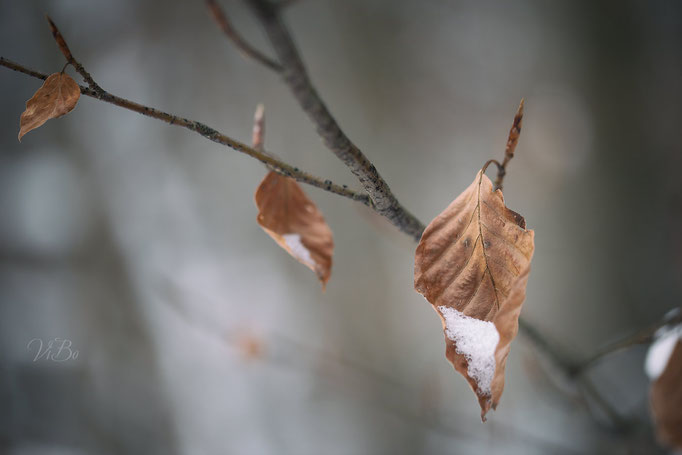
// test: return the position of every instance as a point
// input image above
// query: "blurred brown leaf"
(666, 400)
(472, 264)
(251, 346)
(58, 96)
(293, 220)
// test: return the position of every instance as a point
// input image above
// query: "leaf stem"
(488, 163)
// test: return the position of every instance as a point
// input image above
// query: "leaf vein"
(515, 246)
(459, 272)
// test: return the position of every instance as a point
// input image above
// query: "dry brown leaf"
(58, 96)
(293, 220)
(472, 265)
(666, 400)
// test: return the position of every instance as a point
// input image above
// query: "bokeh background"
(196, 334)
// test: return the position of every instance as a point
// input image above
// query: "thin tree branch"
(64, 48)
(643, 336)
(258, 131)
(286, 3)
(566, 365)
(258, 135)
(22, 69)
(244, 47)
(296, 77)
(512, 140)
(588, 389)
(207, 132)
(549, 349)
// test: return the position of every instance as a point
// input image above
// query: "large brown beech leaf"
(58, 96)
(666, 392)
(293, 220)
(472, 265)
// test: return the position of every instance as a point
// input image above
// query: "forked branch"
(95, 91)
(296, 77)
(643, 336)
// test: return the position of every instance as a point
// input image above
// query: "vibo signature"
(57, 349)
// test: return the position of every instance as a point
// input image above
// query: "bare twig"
(588, 389)
(210, 134)
(246, 49)
(258, 132)
(643, 336)
(95, 91)
(296, 77)
(22, 69)
(566, 364)
(64, 48)
(286, 3)
(542, 344)
(258, 137)
(512, 140)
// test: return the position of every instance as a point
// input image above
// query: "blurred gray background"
(137, 241)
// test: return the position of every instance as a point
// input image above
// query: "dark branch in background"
(546, 347)
(566, 365)
(576, 370)
(249, 51)
(644, 336)
(286, 3)
(296, 77)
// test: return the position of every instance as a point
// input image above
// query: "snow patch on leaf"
(660, 351)
(298, 250)
(477, 341)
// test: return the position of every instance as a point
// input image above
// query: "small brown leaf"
(666, 389)
(293, 220)
(58, 96)
(472, 265)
